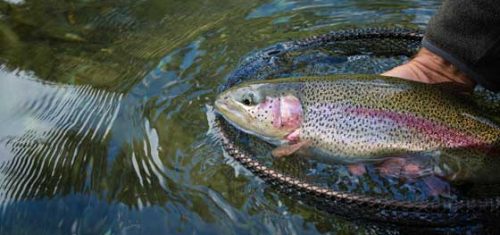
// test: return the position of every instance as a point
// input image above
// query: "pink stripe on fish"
(445, 135)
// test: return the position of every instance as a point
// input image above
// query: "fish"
(354, 118)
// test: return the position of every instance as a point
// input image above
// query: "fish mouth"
(220, 106)
(226, 110)
(223, 108)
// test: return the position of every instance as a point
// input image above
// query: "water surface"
(102, 113)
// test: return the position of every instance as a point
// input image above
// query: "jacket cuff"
(463, 67)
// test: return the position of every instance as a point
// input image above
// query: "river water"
(103, 126)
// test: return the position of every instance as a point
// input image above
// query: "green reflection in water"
(107, 129)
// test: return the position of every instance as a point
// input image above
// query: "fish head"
(264, 110)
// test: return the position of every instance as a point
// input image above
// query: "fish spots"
(281, 114)
(444, 135)
(273, 109)
(359, 118)
(407, 117)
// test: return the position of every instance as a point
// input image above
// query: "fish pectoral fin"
(287, 150)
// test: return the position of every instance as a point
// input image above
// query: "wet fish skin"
(362, 116)
(371, 116)
(355, 118)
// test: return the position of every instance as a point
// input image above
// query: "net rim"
(381, 209)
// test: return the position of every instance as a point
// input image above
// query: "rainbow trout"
(360, 117)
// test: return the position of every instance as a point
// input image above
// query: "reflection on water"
(102, 113)
(45, 131)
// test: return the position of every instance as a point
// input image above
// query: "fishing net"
(332, 187)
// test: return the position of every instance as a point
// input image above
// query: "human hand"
(428, 67)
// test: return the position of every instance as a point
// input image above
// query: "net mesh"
(333, 187)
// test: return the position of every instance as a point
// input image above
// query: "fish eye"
(248, 99)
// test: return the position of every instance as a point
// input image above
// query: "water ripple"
(124, 148)
(45, 128)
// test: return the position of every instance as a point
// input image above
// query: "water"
(103, 126)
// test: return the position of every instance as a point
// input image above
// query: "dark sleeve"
(466, 33)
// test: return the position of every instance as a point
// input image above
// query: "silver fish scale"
(330, 124)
